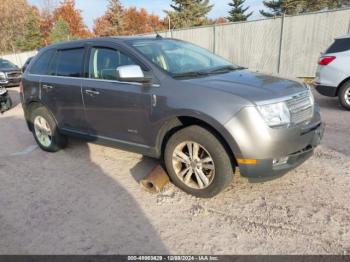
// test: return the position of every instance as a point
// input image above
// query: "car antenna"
(158, 36)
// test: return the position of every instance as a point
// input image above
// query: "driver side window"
(104, 62)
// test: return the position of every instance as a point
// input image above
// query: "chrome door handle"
(92, 92)
(47, 87)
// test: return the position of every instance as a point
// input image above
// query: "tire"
(221, 169)
(9, 103)
(56, 140)
(344, 95)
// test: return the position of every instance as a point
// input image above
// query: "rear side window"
(68, 63)
(41, 65)
(340, 45)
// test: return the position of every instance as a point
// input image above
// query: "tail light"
(326, 60)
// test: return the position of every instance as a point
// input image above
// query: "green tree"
(338, 3)
(188, 13)
(238, 12)
(32, 37)
(275, 8)
(60, 32)
(292, 7)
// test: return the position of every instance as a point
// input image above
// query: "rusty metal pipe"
(155, 181)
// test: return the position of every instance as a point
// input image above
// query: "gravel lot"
(86, 200)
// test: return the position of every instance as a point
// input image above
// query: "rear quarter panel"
(336, 72)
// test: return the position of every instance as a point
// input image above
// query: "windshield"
(4, 64)
(181, 58)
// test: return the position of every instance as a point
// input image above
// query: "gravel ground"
(86, 200)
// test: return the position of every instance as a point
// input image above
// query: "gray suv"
(169, 99)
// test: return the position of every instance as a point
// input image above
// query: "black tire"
(58, 141)
(345, 88)
(224, 169)
(9, 103)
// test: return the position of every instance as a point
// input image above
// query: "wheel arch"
(32, 105)
(341, 84)
(177, 123)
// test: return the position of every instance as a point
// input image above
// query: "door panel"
(63, 97)
(117, 110)
(61, 89)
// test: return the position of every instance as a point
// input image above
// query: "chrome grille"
(301, 108)
(13, 75)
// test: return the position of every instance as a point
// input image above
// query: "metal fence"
(287, 45)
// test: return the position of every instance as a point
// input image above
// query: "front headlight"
(276, 114)
(312, 98)
(2, 75)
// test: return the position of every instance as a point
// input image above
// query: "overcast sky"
(94, 8)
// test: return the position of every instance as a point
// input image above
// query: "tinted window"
(104, 62)
(68, 63)
(41, 65)
(340, 45)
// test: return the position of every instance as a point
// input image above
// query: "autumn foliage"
(68, 12)
(120, 21)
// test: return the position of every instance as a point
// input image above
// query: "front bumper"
(12, 82)
(255, 140)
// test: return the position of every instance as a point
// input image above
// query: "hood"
(254, 87)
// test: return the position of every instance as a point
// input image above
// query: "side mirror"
(132, 73)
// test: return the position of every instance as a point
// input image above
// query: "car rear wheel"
(45, 131)
(197, 162)
(344, 95)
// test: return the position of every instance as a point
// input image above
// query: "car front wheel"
(197, 162)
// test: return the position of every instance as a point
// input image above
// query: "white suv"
(333, 73)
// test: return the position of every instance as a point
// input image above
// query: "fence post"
(214, 38)
(281, 45)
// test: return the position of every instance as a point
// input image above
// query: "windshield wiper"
(224, 69)
(190, 74)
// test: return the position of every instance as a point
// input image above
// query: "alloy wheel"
(43, 131)
(193, 165)
(347, 96)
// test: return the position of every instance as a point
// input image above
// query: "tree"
(188, 13)
(47, 19)
(32, 37)
(216, 21)
(46, 25)
(138, 21)
(112, 22)
(292, 7)
(68, 12)
(276, 8)
(238, 12)
(14, 18)
(120, 21)
(60, 32)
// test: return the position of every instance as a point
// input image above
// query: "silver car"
(333, 73)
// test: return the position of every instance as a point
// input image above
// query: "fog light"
(280, 161)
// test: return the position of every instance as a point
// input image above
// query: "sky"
(91, 9)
